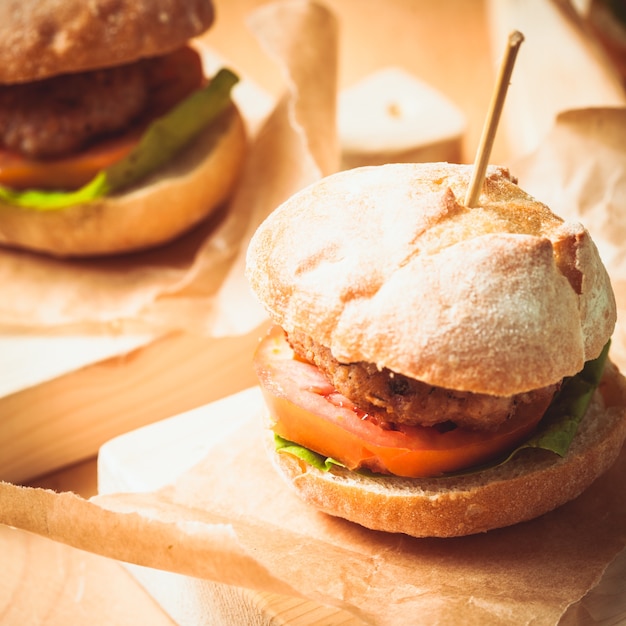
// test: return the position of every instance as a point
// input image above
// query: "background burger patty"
(59, 115)
(408, 401)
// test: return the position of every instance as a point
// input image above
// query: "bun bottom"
(165, 205)
(531, 484)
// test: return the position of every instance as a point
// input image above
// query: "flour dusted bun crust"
(159, 208)
(392, 269)
(383, 273)
(533, 483)
(42, 38)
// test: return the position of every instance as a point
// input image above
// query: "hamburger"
(434, 369)
(112, 139)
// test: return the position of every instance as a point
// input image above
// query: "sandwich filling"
(314, 421)
(392, 398)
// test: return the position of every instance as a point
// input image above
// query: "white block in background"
(393, 116)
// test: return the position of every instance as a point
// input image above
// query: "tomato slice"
(179, 74)
(66, 173)
(306, 409)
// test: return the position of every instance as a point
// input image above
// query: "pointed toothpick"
(493, 117)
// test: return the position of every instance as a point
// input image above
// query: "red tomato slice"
(66, 173)
(306, 409)
(180, 73)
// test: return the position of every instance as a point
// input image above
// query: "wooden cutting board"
(64, 419)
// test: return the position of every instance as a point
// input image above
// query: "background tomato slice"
(306, 409)
(71, 172)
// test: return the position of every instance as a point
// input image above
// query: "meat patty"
(405, 400)
(59, 115)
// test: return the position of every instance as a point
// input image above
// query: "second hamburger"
(111, 137)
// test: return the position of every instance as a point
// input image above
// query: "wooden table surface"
(44, 582)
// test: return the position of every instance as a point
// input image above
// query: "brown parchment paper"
(229, 519)
(188, 284)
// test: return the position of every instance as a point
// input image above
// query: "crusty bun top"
(386, 265)
(42, 38)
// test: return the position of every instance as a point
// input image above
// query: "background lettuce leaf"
(165, 137)
(46, 200)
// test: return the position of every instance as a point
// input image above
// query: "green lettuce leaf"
(560, 423)
(304, 454)
(165, 137)
(555, 432)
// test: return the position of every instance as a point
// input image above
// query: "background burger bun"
(385, 265)
(156, 210)
(42, 38)
(531, 484)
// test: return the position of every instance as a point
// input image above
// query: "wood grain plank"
(44, 582)
(65, 420)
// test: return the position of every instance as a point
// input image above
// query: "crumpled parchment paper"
(230, 518)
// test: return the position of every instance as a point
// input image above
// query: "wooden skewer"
(493, 117)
